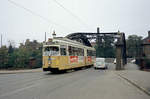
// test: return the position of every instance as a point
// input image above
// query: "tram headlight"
(49, 62)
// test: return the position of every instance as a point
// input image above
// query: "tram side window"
(74, 51)
(70, 50)
(63, 51)
(80, 52)
(77, 52)
(88, 52)
(91, 53)
(94, 53)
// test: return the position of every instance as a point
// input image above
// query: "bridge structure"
(86, 37)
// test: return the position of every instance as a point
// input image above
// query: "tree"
(106, 48)
(21, 57)
(133, 44)
(3, 57)
(31, 52)
(11, 57)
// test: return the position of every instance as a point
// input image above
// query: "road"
(82, 84)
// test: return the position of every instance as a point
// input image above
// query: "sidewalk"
(140, 79)
(20, 71)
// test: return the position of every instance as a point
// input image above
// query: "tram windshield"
(51, 51)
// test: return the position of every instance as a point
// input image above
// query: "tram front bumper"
(46, 69)
(50, 69)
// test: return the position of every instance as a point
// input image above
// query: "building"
(146, 46)
(144, 60)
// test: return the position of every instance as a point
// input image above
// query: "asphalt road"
(82, 84)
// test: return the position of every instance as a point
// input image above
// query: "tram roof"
(64, 40)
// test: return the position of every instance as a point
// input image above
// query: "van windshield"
(51, 51)
(100, 60)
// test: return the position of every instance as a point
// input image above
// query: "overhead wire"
(36, 14)
(71, 13)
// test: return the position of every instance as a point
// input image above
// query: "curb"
(16, 72)
(135, 84)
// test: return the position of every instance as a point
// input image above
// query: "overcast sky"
(22, 19)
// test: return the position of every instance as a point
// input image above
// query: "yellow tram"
(63, 54)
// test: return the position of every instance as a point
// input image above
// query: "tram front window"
(51, 50)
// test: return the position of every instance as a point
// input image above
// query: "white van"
(100, 63)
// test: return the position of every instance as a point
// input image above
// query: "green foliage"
(106, 48)
(133, 45)
(28, 55)
(3, 57)
(147, 63)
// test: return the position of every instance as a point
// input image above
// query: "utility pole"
(45, 36)
(99, 42)
(98, 30)
(1, 40)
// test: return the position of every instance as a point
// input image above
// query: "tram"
(61, 54)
